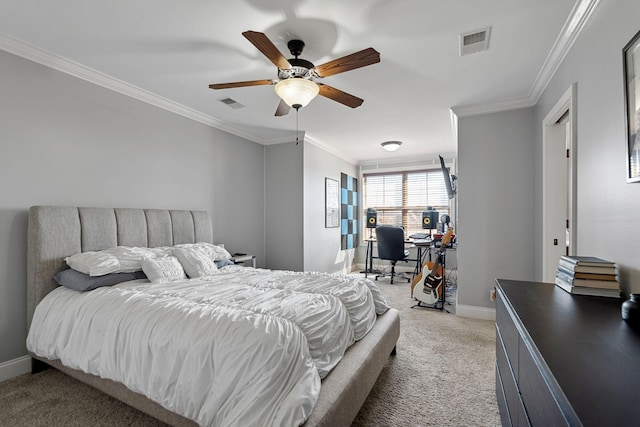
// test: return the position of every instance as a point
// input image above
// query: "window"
(400, 197)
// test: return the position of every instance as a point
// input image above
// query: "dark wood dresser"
(564, 359)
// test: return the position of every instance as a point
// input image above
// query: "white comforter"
(243, 347)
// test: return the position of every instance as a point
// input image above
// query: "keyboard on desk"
(420, 236)
(422, 242)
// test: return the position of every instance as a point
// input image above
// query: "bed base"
(342, 394)
(347, 386)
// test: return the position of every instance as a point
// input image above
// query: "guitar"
(428, 288)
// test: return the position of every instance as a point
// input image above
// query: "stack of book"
(587, 275)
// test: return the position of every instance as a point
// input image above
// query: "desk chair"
(391, 247)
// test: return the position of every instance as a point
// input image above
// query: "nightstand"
(243, 259)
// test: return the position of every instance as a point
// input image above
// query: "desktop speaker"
(372, 218)
(430, 219)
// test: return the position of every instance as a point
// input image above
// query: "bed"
(57, 232)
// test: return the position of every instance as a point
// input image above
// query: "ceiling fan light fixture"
(297, 92)
(391, 145)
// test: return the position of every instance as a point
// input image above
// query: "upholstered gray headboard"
(56, 232)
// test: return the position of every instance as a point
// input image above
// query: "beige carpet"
(443, 374)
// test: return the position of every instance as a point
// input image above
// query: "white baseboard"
(474, 312)
(13, 368)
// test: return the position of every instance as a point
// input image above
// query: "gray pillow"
(223, 262)
(78, 281)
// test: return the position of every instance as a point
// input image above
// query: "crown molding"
(67, 66)
(289, 136)
(332, 150)
(492, 107)
(407, 163)
(579, 16)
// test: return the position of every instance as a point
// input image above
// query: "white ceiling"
(167, 52)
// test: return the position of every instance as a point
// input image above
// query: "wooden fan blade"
(350, 62)
(241, 84)
(340, 96)
(268, 49)
(283, 109)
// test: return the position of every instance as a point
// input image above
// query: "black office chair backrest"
(390, 242)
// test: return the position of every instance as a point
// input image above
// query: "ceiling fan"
(297, 83)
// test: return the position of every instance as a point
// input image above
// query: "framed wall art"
(631, 62)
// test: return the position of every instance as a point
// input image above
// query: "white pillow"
(215, 252)
(221, 252)
(94, 263)
(161, 251)
(130, 257)
(162, 270)
(119, 259)
(195, 260)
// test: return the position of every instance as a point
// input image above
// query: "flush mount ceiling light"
(297, 92)
(391, 145)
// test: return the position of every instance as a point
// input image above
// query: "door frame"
(566, 104)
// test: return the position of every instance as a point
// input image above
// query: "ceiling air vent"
(475, 41)
(232, 103)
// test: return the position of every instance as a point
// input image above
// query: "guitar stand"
(439, 304)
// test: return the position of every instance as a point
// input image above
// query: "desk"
(368, 260)
(420, 244)
(424, 247)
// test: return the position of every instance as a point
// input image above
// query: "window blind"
(400, 197)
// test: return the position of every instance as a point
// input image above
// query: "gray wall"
(283, 183)
(496, 209)
(608, 224)
(322, 245)
(68, 142)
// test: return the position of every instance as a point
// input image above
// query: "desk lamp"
(445, 222)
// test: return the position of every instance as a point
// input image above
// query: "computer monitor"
(448, 179)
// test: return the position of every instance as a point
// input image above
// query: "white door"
(555, 201)
(558, 153)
